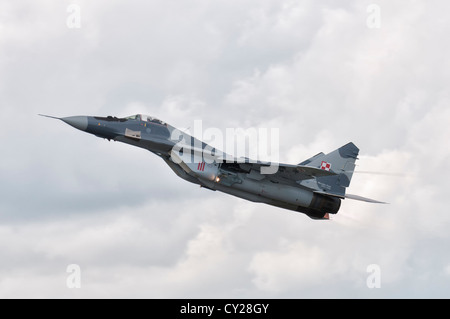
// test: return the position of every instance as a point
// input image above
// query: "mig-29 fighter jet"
(314, 187)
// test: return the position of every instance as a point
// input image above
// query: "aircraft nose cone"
(79, 122)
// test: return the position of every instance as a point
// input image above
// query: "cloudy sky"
(323, 73)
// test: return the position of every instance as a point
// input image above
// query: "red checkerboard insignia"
(325, 166)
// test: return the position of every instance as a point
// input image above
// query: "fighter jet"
(314, 187)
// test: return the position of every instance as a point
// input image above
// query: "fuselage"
(188, 158)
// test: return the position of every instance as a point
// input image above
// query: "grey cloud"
(312, 69)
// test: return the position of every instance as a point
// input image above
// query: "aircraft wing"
(259, 170)
(281, 172)
(300, 172)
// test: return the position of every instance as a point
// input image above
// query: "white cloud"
(287, 267)
(313, 70)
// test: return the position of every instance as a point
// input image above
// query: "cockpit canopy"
(137, 117)
(145, 118)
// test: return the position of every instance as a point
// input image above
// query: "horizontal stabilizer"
(350, 196)
(363, 199)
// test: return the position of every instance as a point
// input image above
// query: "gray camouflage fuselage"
(314, 187)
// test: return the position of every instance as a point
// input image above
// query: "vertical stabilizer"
(341, 162)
